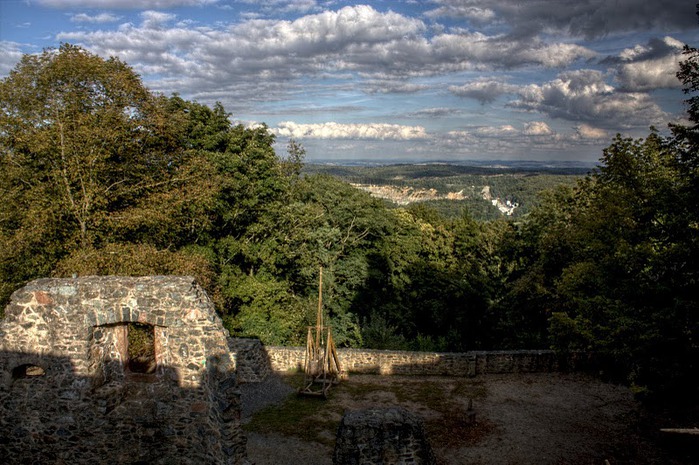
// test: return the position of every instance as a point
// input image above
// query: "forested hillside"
(100, 176)
(485, 192)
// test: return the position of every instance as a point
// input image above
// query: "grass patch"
(296, 416)
(308, 418)
(315, 419)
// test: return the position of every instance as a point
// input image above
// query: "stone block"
(391, 436)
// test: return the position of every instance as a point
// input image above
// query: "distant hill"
(487, 191)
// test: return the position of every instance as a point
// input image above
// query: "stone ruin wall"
(256, 361)
(252, 363)
(67, 395)
(388, 436)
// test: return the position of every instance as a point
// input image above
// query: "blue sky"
(420, 80)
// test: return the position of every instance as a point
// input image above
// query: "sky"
(413, 80)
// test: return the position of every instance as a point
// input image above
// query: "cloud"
(393, 87)
(10, 55)
(473, 13)
(537, 128)
(585, 96)
(649, 67)
(358, 41)
(496, 131)
(479, 51)
(585, 131)
(283, 6)
(156, 19)
(483, 90)
(332, 130)
(434, 113)
(580, 18)
(97, 19)
(530, 140)
(122, 4)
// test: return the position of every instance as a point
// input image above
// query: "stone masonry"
(397, 362)
(390, 436)
(70, 395)
(252, 363)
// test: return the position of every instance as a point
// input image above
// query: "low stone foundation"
(391, 436)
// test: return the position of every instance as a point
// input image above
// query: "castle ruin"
(75, 386)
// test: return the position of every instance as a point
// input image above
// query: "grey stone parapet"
(396, 362)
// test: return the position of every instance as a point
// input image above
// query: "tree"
(100, 176)
(610, 265)
(80, 140)
(613, 262)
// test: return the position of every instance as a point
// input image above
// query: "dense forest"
(100, 176)
(456, 188)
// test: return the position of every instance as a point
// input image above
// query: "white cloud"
(358, 41)
(10, 55)
(496, 131)
(101, 18)
(537, 128)
(483, 90)
(650, 75)
(531, 140)
(156, 19)
(584, 96)
(481, 51)
(332, 130)
(586, 131)
(283, 6)
(649, 67)
(124, 4)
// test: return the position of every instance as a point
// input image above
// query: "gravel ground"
(274, 449)
(542, 419)
(256, 396)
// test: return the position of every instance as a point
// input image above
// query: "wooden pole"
(319, 316)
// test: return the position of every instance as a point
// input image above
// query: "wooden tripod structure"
(321, 366)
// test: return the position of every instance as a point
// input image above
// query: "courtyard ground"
(543, 419)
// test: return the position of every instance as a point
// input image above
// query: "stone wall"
(252, 363)
(70, 394)
(394, 362)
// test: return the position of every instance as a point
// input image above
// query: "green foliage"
(141, 340)
(82, 143)
(613, 264)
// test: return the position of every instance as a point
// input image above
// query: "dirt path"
(542, 419)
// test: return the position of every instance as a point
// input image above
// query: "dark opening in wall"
(141, 348)
(27, 371)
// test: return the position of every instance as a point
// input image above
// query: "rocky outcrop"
(407, 195)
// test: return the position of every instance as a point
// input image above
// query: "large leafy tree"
(81, 141)
(98, 175)
(624, 291)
